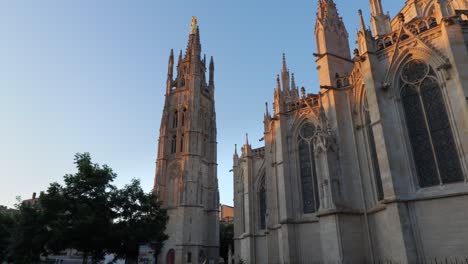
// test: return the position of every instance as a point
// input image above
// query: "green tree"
(226, 239)
(139, 220)
(80, 212)
(29, 235)
(6, 231)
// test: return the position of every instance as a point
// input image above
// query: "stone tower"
(186, 179)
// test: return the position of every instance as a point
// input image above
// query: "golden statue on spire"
(194, 25)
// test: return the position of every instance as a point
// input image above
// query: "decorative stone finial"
(303, 92)
(194, 25)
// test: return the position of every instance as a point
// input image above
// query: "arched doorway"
(170, 258)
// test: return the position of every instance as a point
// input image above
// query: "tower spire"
(194, 46)
(285, 67)
(330, 31)
(380, 21)
(180, 154)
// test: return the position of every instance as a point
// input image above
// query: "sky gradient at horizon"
(89, 76)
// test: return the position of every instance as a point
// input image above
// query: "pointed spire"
(170, 72)
(211, 80)
(330, 29)
(180, 58)
(363, 24)
(285, 67)
(194, 46)
(246, 149)
(204, 59)
(293, 82)
(170, 69)
(267, 112)
(327, 11)
(285, 76)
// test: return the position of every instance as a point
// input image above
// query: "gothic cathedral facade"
(374, 167)
(186, 180)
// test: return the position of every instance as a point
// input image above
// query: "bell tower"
(186, 179)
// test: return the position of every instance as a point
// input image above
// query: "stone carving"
(194, 25)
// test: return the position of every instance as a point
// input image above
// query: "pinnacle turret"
(285, 76)
(381, 24)
(179, 62)
(211, 80)
(170, 71)
(330, 31)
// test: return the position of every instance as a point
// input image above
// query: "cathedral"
(186, 180)
(374, 167)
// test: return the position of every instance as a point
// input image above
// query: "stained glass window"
(262, 203)
(310, 199)
(434, 150)
(373, 152)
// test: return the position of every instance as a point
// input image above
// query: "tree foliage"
(6, 231)
(139, 220)
(80, 211)
(226, 239)
(89, 214)
(29, 235)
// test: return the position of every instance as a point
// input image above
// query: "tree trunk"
(85, 258)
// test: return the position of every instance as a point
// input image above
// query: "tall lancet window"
(184, 116)
(309, 188)
(262, 203)
(174, 144)
(374, 163)
(432, 142)
(182, 141)
(175, 119)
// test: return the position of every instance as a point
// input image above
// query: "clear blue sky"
(89, 76)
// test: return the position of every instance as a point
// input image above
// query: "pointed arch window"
(432, 22)
(262, 203)
(309, 188)
(184, 116)
(175, 119)
(174, 144)
(182, 143)
(372, 151)
(432, 142)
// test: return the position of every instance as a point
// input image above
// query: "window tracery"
(308, 177)
(432, 142)
(262, 203)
